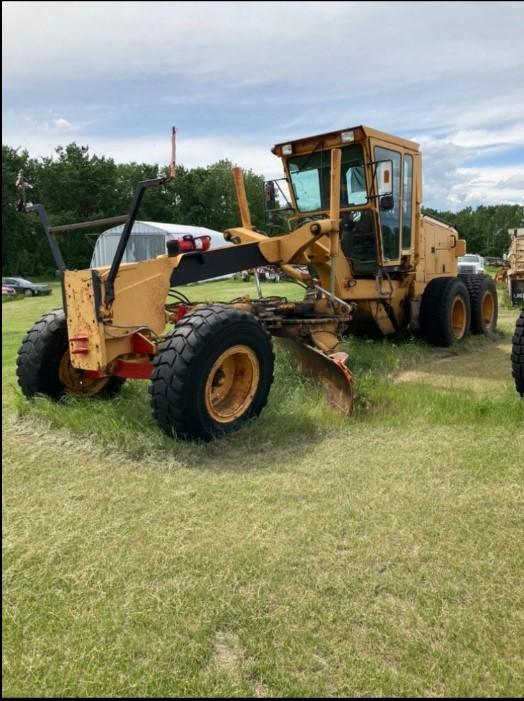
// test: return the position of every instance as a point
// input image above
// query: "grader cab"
(375, 264)
(398, 265)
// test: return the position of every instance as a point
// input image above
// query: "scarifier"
(376, 264)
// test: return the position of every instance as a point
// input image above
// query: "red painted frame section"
(133, 370)
(130, 369)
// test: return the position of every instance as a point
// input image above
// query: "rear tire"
(28, 293)
(517, 355)
(212, 374)
(43, 365)
(445, 311)
(484, 303)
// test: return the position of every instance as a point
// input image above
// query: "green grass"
(307, 555)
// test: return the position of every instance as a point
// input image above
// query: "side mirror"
(270, 200)
(386, 202)
(384, 175)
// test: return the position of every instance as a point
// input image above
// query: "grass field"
(306, 555)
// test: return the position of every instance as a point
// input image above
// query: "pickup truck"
(471, 264)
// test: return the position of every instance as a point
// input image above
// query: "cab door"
(390, 219)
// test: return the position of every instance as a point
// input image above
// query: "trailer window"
(407, 194)
(390, 219)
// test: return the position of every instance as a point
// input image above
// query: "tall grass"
(306, 555)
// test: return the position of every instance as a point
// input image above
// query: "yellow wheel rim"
(487, 309)
(232, 384)
(458, 318)
(75, 381)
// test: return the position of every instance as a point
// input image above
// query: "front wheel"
(445, 311)
(28, 293)
(212, 374)
(44, 366)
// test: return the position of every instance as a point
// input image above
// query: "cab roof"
(333, 138)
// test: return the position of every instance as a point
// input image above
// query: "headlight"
(287, 149)
(347, 136)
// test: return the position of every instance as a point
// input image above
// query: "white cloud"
(191, 152)
(62, 124)
(449, 182)
(491, 184)
(476, 138)
(513, 182)
(340, 43)
(450, 72)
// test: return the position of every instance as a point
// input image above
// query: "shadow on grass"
(297, 416)
(295, 419)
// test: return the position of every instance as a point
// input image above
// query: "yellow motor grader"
(514, 274)
(375, 264)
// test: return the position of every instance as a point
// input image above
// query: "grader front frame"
(215, 369)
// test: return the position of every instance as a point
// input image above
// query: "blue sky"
(237, 77)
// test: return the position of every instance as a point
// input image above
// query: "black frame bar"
(53, 244)
(128, 218)
(88, 224)
(126, 233)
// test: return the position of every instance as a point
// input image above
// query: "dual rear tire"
(517, 355)
(452, 307)
(484, 303)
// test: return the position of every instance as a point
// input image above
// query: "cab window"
(407, 194)
(390, 219)
(355, 191)
(310, 179)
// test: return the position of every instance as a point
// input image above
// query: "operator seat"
(358, 241)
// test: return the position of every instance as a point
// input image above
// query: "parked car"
(8, 291)
(25, 287)
(268, 273)
(494, 262)
(471, 264)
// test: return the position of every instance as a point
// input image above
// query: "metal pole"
(257, 283)
(172, 165)
(334, 215)
(238, 179)
(87, 224)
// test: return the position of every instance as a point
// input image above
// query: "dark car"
(24, 287)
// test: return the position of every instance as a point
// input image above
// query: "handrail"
(88, 224)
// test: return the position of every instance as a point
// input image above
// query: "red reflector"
(180, 312)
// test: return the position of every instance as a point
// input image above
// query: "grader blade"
(328, 371)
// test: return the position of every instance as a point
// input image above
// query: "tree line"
(484, 228)
(75, 185)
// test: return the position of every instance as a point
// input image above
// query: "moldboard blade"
(329, 371)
